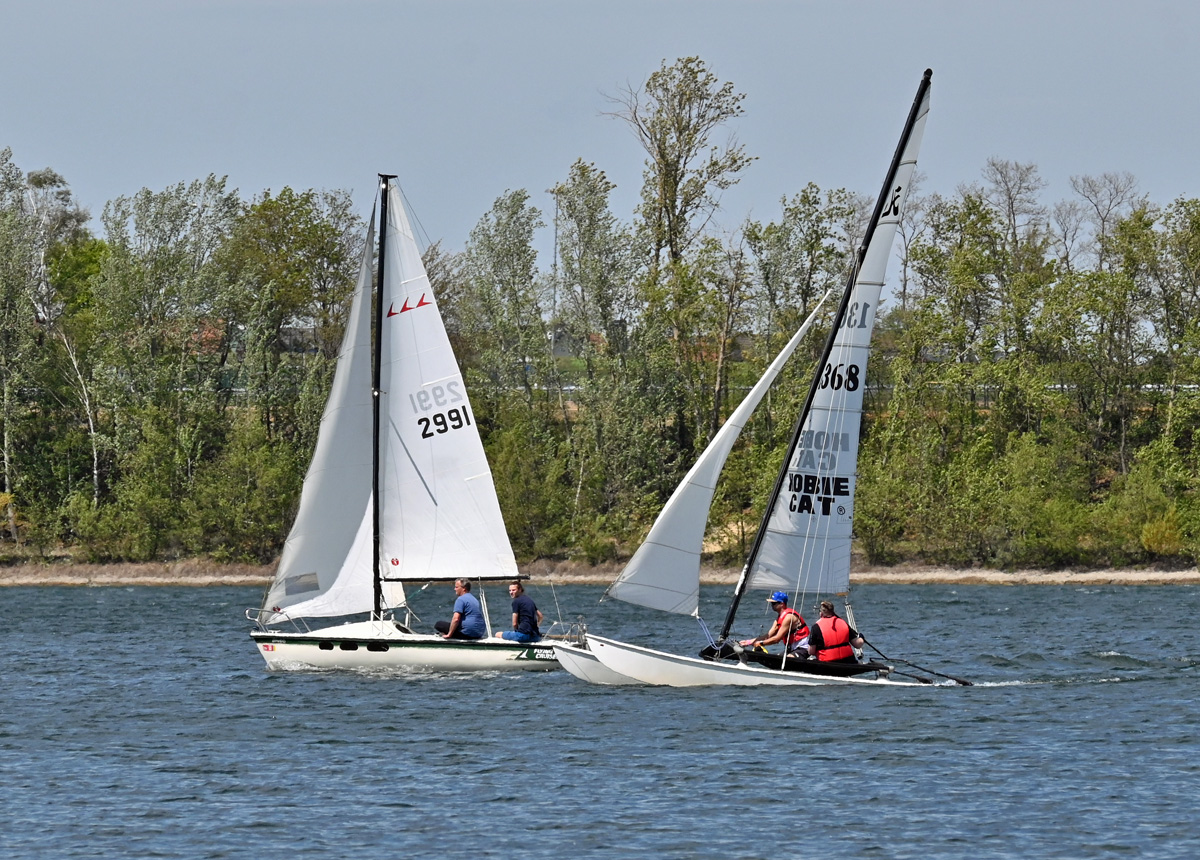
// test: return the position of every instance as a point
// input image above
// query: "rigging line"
(412, 214)
(914, 116)
(416, 468)
(554, 594)
(961, 681)
(816, 538)
(838, 420)
(817, 532)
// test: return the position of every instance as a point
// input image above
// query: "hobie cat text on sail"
(805, 489)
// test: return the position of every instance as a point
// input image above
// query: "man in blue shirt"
(468, 622)
(526, 616)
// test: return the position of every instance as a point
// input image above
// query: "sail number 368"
(837, 379)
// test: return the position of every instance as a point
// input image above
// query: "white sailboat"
(399, 490)
(664, 573)
(804, 541)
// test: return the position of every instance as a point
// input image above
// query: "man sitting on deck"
(468, 621)
(832, 640)
(525, 616)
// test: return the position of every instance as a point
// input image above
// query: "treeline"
(1031, 398)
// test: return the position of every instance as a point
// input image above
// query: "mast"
(377, 358)
(881, 202)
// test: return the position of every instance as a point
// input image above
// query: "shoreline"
(205, 573)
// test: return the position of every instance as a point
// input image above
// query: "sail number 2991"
(438, 397)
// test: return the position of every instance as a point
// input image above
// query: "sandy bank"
(196, 572)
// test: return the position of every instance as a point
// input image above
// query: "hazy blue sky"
(467, 99)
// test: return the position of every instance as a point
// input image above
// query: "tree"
(506, 308)
(795, 260)
(288, 269)
(17, 323)
(162, 351)
(594, 308)
(65, 256)
(1106, 199)
(674, 117)
(37, 212)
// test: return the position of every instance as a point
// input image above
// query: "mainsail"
(664, 573)
(440, 515)
(806, 544)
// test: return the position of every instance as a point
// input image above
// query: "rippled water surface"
(140, 722)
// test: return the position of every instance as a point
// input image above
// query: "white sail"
(664, 573)
(440, 518)
(440, 515)
(325, 567)
(807, 544)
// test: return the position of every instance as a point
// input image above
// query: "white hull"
(672, 670)
(380, 645)
(585, 666)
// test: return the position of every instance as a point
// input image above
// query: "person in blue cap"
(789, 627)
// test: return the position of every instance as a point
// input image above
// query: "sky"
(466, 99)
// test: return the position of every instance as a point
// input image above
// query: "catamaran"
(664, 573)
(399, 490)
(804, 540)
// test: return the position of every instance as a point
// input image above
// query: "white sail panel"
(807, 544)
(440, 515)
(324, 570)
(664, 573)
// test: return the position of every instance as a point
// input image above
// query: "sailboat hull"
(672, 670)
(585, 666)
(380, 645)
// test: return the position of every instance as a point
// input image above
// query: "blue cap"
(778, 597)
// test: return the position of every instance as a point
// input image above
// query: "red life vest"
(798, 632)
(835, 639)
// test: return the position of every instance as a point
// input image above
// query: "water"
(140, 722)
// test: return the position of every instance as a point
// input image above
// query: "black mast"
(376, 361)
(884, 197)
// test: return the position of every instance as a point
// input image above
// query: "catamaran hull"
(374, 645)
(672, 670)
(585, 666)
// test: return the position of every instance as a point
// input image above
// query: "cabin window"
(349, 646)
(377, 646)
(301, 583)
(326, 646)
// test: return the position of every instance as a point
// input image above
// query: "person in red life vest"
(788, 627)
(831, 639)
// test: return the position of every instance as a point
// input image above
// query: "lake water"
(141, 722)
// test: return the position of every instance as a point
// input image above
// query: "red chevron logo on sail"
(406, 307)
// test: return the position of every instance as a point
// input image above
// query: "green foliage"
(1033, 403)
(142, 521)
(242, 500)
(674, 117)
(532, 481)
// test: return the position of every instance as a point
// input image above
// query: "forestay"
(664, 573)
(809, 528)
